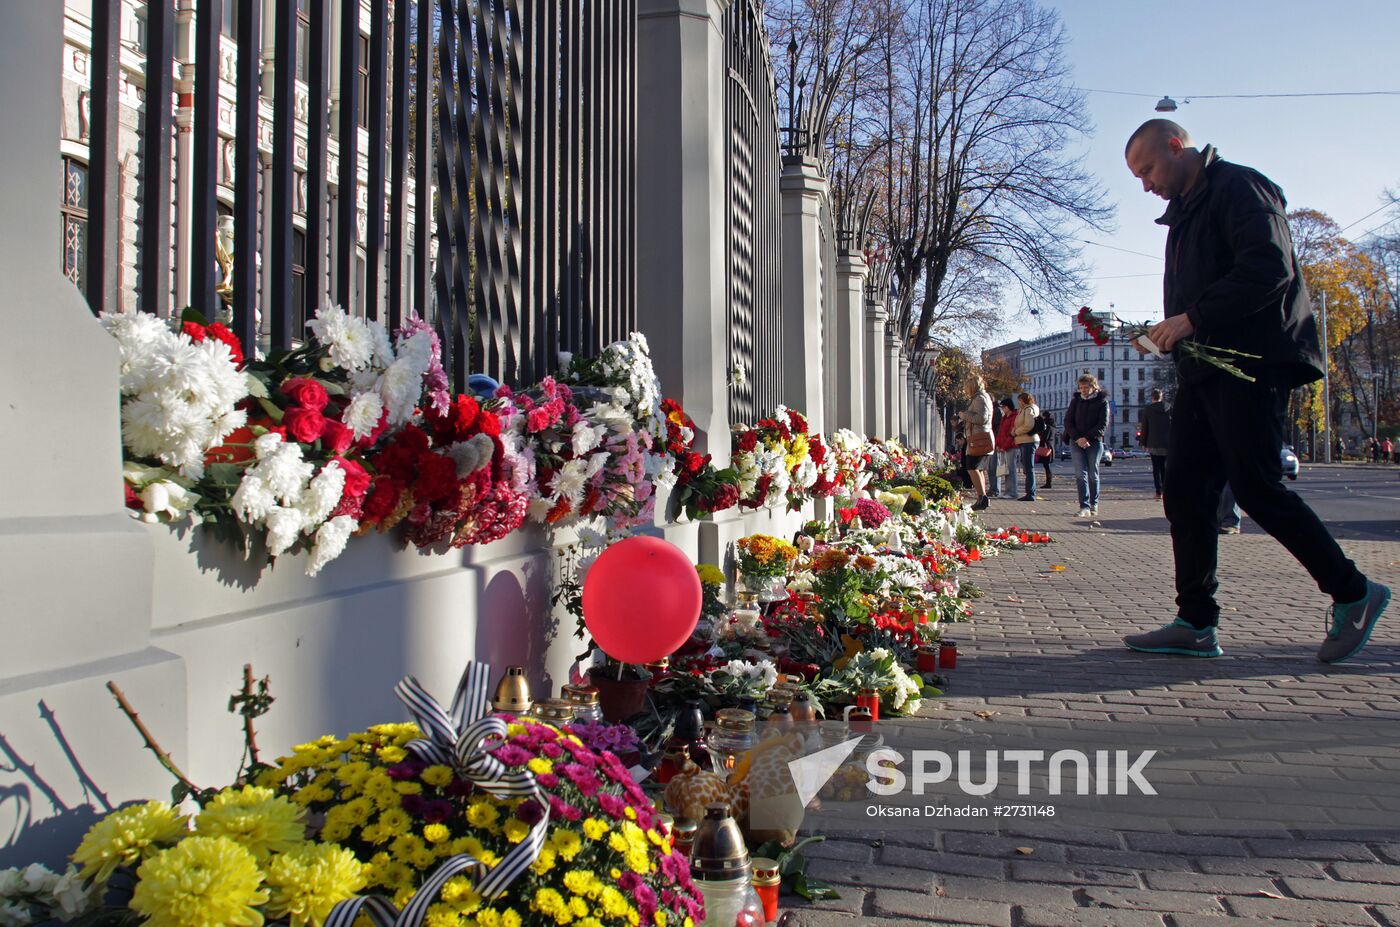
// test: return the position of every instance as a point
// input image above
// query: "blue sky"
(1333, 154)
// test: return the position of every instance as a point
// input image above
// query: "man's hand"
(1082, 442)
(1167, 333)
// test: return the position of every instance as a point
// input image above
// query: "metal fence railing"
(480, 170)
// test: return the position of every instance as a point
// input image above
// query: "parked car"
(1107, 460)
(1289, 461)
(1064, 452)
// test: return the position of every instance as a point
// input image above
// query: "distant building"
(1050, 367)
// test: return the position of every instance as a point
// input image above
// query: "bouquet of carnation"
(1209, 354)
(852, 460)
(765, 555)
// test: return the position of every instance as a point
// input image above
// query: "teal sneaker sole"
(1385, 603)
(1182, 651)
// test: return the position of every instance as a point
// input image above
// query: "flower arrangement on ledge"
(355, 431)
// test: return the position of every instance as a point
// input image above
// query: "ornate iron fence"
(502, 131)
(754, 214)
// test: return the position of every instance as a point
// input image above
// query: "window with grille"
(229, 24)
(299, 278)
(75, 220)
(303, 41)
(364, 81)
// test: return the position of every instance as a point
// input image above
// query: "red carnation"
(383, 498)
(694, 462)
(437, 477)
(304, 425)
(133, 501)
(306, 392)
(489, 424)
(221, 332)
(748, 441)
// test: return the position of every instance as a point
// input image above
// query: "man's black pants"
(1228, 429)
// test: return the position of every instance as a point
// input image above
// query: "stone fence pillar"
(906, 404)
(876, 415)
(803, 191)
(892, 384)
(681, 192)
(75, 569)
(849, 341)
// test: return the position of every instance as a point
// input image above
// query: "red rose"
(237, 447)
(748, 441)
(694, 462)
(304, 425)
(306, 392)
(357, 478)
(336, 437)
(133, 501)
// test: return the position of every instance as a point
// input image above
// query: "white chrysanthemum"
(265, 445)
(322, 494)
(747, 466)
(383, 347)
(570, 480)
(538, 507)
(348, 339)
(517, 461)
(252, 500)
(138, 336)
(75, 895)
(596, 463)
(284, 526)
(806, 474)
(13, 914)
(286, 472)
(363, 414)
(330, 542)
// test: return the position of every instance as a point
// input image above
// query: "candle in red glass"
(869, 699)
(859, 720)
(948, 654)
(926, 660)
(766, 882)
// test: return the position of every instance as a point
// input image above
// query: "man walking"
(1156, 425)
(1232, 280)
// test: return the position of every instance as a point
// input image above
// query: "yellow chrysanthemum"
(482, 814)
(516, 830)
(440, 915)
(396, 820)
(437, 776)
(566, 843)
(200, 880)
(594, 828)
(710, 575)
(545, 861)
(617, 842)
(310, 880)
(488, 917)
(511, 918)
(125, 837)
(393, 755)
(436, 833)
(256, 817)
(549, 902)
(540, 766)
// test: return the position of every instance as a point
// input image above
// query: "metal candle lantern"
(513, 692)
(584, 700)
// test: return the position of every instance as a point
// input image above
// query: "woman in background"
(977, 427)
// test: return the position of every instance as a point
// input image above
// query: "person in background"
(1027, 432)
(977, 427)
(1233, 281)
(1228, 514)
(1006, 446)
(1388, 450)
(1046, 452)
(1155, 422)
(1085, 421)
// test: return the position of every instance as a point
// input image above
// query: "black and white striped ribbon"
(381, 910)
(463, 738)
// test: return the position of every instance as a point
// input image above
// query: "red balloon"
(641, 599)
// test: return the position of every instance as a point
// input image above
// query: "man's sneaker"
(1352, 624)
(1083, 512)
(1093, 510)
(1229, 529)
(1179, 638)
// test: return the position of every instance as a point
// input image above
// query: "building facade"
(1051, 367)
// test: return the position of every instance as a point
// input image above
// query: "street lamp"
(1166, 105)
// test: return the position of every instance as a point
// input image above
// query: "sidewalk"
(1045, 645)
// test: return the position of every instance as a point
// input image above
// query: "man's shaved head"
(1158, 131)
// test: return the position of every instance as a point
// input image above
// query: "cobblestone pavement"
(1046, 643)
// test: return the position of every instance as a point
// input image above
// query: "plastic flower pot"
(620, 699)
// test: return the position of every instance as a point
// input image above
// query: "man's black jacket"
(1087, 418)
(1232, 270)
(1156, 424)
